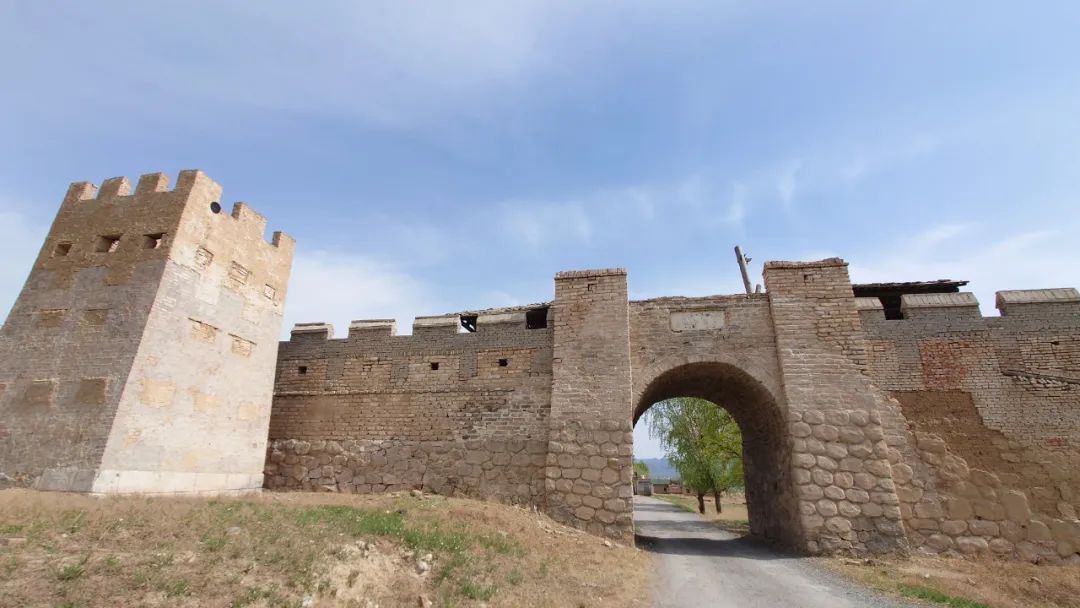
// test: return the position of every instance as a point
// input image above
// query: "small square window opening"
(469, 322)
(108, 243)
(153, 241)
(61, 250)
(504, 362)
(536, 318)
(301, 370)
(434, 366)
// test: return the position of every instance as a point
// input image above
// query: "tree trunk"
(701, 502)
(716, 501)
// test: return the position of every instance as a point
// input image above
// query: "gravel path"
(698, 564)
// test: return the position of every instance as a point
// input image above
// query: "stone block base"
(149, 482)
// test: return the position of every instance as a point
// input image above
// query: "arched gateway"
(767, 453)
(875, 416)
(789, 365)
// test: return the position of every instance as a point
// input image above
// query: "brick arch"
(647, 377)
(766, 445)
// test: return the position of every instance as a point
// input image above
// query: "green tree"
(641, 469)
(703, 442)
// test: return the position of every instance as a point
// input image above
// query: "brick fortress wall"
(861, 434)
(139, 355)
(993, 414)
(444, 410)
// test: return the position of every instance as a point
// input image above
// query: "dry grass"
(278, 549)
(733, 518)
(963, 583)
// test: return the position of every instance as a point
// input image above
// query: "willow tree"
(703, 443)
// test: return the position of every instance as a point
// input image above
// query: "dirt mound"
(304, 550)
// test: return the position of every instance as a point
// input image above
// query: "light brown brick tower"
(140, 354)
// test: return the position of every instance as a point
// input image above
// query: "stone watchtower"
(140, 354)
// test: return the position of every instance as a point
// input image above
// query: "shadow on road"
(665, 535)
(744, 547)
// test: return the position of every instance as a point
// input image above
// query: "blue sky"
(431, 157)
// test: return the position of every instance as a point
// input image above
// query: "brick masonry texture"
(149, 363)
(452, 412)
(137, 358)
(835, 449)
(993, 412)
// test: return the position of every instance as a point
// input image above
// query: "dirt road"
(698, 564)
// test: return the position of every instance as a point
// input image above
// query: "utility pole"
(741, 257)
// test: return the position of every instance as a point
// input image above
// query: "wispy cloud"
(337, 287)
(786, 182)
(578, 219)
(736, 209)
(392, 65)
(700, 198)
(935, 236)
(861, 160)
(543, 224)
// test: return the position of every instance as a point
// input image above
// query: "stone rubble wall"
(504, 470)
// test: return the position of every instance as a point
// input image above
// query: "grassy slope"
(277, 549)
(968, 583)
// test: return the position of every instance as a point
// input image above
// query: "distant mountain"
(660, 468)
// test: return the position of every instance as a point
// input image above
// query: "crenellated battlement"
(931, 309)
(129, 231)
(509, 319)
(918, 305)
(1024, 302)
(118, 189)
(121, 204)
(439, 325)
(372, 328)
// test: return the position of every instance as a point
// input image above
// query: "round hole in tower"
(215, 207)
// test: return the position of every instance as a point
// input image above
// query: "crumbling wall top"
(597, 272)
(1037, 296)
(869, 304)
(938, 300)
(783, 264)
